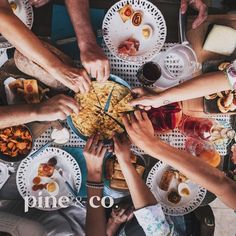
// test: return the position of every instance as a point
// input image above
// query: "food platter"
(186, 204)
(29, 169)
(116, 31)
(90, 118)
(24, 12)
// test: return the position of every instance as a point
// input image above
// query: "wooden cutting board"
(195, 107)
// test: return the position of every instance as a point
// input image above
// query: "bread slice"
(117, 166)
(140, 169)
(118, 175)
(166, 180)
(118, 184)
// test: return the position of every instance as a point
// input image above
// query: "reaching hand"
(94, 153)
(95, 62)
(38, 3)
(74, 78)
(122, 147)
(58, 107)
(139, 129)
(198, 5)
(146, 98)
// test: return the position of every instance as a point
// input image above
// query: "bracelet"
(95, 185)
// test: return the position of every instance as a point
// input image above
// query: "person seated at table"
(92, 57)
(199, 86)
(148, 211)
(58, 107)
(141, 133)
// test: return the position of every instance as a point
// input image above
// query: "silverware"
(107, 105)
(33, 155)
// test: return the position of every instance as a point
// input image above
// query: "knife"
(109, 100)
(118, 122)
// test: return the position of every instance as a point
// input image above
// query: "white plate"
(116, 31)
(28, 169)
(25, 13)
(186, 204)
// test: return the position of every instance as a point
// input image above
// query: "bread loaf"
(32, 69)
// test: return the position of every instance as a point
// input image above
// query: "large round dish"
(69, 120)
(186, 205)
(25, 13)
(28, 170)
(115, 31)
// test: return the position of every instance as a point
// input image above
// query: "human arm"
(141, 132)
(29, 45)
(140, 193)
(94, 153)
(198, 5)
(58, 107)
(197, 87)
(38, 3)
(92, 57)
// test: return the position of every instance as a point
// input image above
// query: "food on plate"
(45, 170)
(137, 18)
(180, 177)
(166, 179)
(221, 39)
(147, 31)
(227, 103)
(36, 180)
(184, 190)
(115, 175)
(27, 90)
(129, 47)
(221, 135)
(226, 100)
(13, 5)
(53, 188)
(39, 187)
(165, 118)
(223, 66)
(173, 196)
(126, 12)
(91, 117)
(15, 141)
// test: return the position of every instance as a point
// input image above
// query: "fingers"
(89, 143)
(184, 6)
(100, 73)
(107, 72)
(138, 115)
(68, 102)
(94, 145)
(201, 16)
(137, 101)
(125, 121)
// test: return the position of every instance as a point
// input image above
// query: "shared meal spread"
(15, 141)
(131, 45)
(115, 175)
(93, 118)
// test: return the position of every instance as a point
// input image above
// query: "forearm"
(17, 114)
(197, 87)
(197, 170)
(25, 41)
(95, 219)
(140, 193)
(79, 14)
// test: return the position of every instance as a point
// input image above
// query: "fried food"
(173, 197)
(15, 141)
(126, 12)
(45, 170)
(91, 118)
(129, 47)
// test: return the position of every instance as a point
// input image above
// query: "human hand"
(146, 98)
(74, 78)
(94, 153)
(95, 62)
(198, 5)
(139, 129)
(58, 107)
(122, 147)
(118, 217)
(38, 3)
